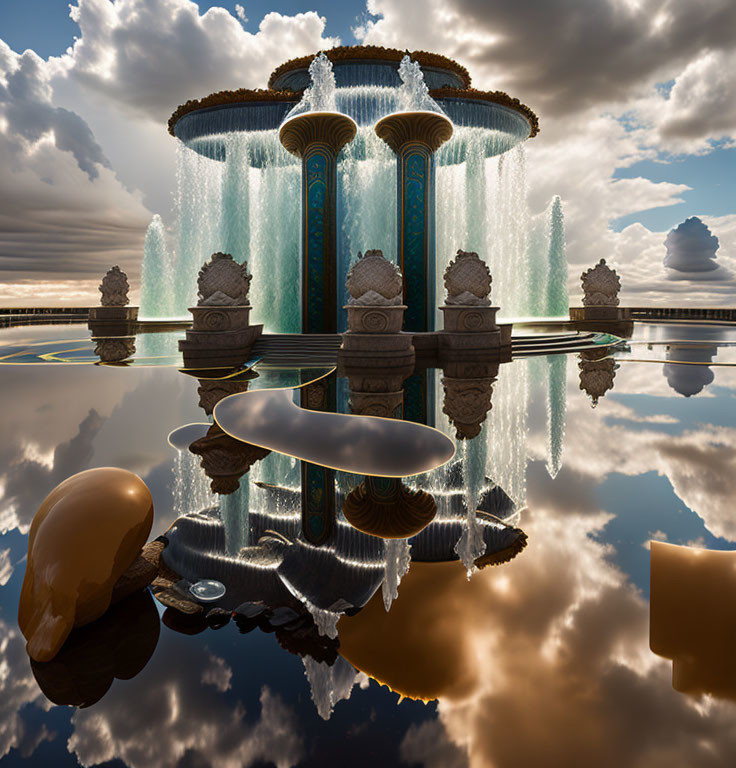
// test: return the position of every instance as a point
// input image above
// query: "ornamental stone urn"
(376, 314)
(115, 349)
(224, 459)
(221, 334)
(601, 286)
(597, 372)
(468, 388)
(113, 317)
(469, 319)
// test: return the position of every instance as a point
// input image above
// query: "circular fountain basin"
(367, 80)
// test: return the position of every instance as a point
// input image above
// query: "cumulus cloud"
(17, 690)
(29, 115)
(692, 249)
(698, 110)
(31, 478)
(602, 52)
(176, 718)
(554, 670)
(150, 57)
(62, 211)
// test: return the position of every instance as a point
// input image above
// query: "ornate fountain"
(363, 131)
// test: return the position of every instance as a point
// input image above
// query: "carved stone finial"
(374, 281)
(468, 280)
(114, 288)
(601, 285)
(223, 282)
(597, 372)
(224, 459)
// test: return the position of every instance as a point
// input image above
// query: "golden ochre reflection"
(419, 648)
(692, 617)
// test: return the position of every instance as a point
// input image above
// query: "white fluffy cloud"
(68, 209)
(151, 57)
(593, 83)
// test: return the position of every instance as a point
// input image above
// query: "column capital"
(428, 128)
(331, 128)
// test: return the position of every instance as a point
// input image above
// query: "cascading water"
(558, 304)
(239, 191)
(157, 276)
(556, 412)
(507, 433)
(191, 487)
(481, 206)
(398, 559)
(320, 95)
(413, 95)
(330, 684)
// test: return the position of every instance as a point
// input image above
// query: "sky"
(636, 100)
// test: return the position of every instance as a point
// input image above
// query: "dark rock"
(218, 618)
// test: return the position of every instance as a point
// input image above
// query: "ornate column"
(414, 137)
(318, 483)
(317, 138)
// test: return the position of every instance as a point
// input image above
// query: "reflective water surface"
(565, 468)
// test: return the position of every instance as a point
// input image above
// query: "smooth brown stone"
(85, 535)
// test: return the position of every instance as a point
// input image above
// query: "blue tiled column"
(317, 138)
(414, 137)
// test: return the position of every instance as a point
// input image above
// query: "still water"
(542, 659)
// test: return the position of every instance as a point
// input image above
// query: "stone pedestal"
(414, 137)
(317, 138)
(112, 321)
(220, 336)
(602, 313)
(375, 391)
(224, 459)
(375, 339)
(375, 319)
(377, 350)
(469, 319)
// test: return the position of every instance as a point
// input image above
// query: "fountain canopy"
(368, 82)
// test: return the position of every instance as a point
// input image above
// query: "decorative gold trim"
(241, 96)
(330, 128)
(503, 555)
(429, 128)
(375, 52)
(495, 97)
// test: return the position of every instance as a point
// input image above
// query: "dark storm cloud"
(564, 57)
